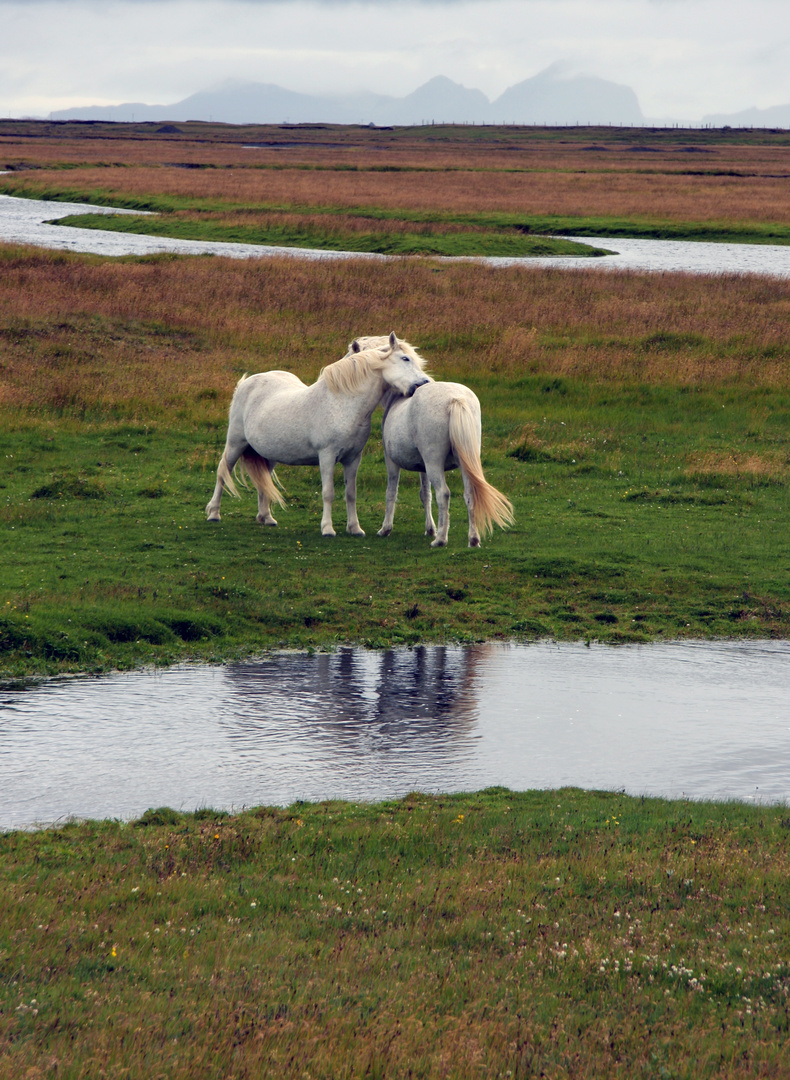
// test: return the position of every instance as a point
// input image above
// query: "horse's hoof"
(214, 517)
(383, 532)
(438, 543)
(474, 541)
(430, 532)
(328, 532)
(268, 520)
(356, 532)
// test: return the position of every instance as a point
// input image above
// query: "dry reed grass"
(689, 176)
(641, 195)
(731, 463)
(175, 334)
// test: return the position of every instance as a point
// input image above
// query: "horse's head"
(403, 369)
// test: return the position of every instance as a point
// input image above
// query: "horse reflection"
(392, 700)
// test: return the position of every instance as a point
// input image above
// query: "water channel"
(680, 719)
(27, 221)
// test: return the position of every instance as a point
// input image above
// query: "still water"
(27, 221)
(700, 720)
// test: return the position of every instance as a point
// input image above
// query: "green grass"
(490, 233)
(513, 244)
(502, 934)
(109, 562)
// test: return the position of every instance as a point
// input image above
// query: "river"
(26, 221)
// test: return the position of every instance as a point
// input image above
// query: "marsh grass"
(560, 933)
(344, 234)
(221, 180)
(638, 424)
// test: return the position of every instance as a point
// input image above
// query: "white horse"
(275, 418)
(436, 429)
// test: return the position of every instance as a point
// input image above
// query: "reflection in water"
(388, 699)
(700, 720)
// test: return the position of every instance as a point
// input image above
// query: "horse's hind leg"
(393, 477)
(350, 477)
(231, 454)
(235, 445)
(264, 516)
(469, 499)
(425, 499)
(435, 475)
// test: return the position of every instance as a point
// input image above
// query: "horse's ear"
(393, 339)
(355, 346)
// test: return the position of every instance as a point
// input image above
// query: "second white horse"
(436, 429)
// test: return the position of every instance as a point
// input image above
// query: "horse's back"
(417, 429)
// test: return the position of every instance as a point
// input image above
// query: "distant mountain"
(548, 98)
(551, 98)
(440, 99)
(777, 116)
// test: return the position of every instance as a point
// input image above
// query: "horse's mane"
(349, 374)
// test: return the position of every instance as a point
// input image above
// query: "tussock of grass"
(544, 933)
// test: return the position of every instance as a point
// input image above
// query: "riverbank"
(638, 424)
(501, 933)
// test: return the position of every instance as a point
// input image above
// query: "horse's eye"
(405, 359)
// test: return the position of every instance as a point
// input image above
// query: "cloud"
(684, 58)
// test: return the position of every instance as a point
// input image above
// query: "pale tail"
(259, 471)
(490, 506)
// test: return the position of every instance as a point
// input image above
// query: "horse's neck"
(388, 399)
(368, 396)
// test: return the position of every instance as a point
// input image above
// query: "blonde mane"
(349, 374)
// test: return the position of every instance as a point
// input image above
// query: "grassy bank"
(639, 425)
(393, 231)
(563, 934)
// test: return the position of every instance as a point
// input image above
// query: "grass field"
(559, 934)
(639, 425)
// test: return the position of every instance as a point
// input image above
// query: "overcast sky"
(684, 58)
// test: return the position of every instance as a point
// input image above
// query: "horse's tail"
(490, 505)
(224, 474)
(260, 471)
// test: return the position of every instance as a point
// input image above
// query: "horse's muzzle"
(410, 392)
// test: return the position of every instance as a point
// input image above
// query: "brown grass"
(666, 196)
(582, 172)
(734, 464)
(160, 333)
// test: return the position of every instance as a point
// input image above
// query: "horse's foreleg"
(469, 499)
(425, 499)
(350, 477)
(393, 476)
(326, 463)
(436, 477)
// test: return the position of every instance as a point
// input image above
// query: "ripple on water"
(702, 720)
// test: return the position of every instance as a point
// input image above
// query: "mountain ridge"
(550, 97)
